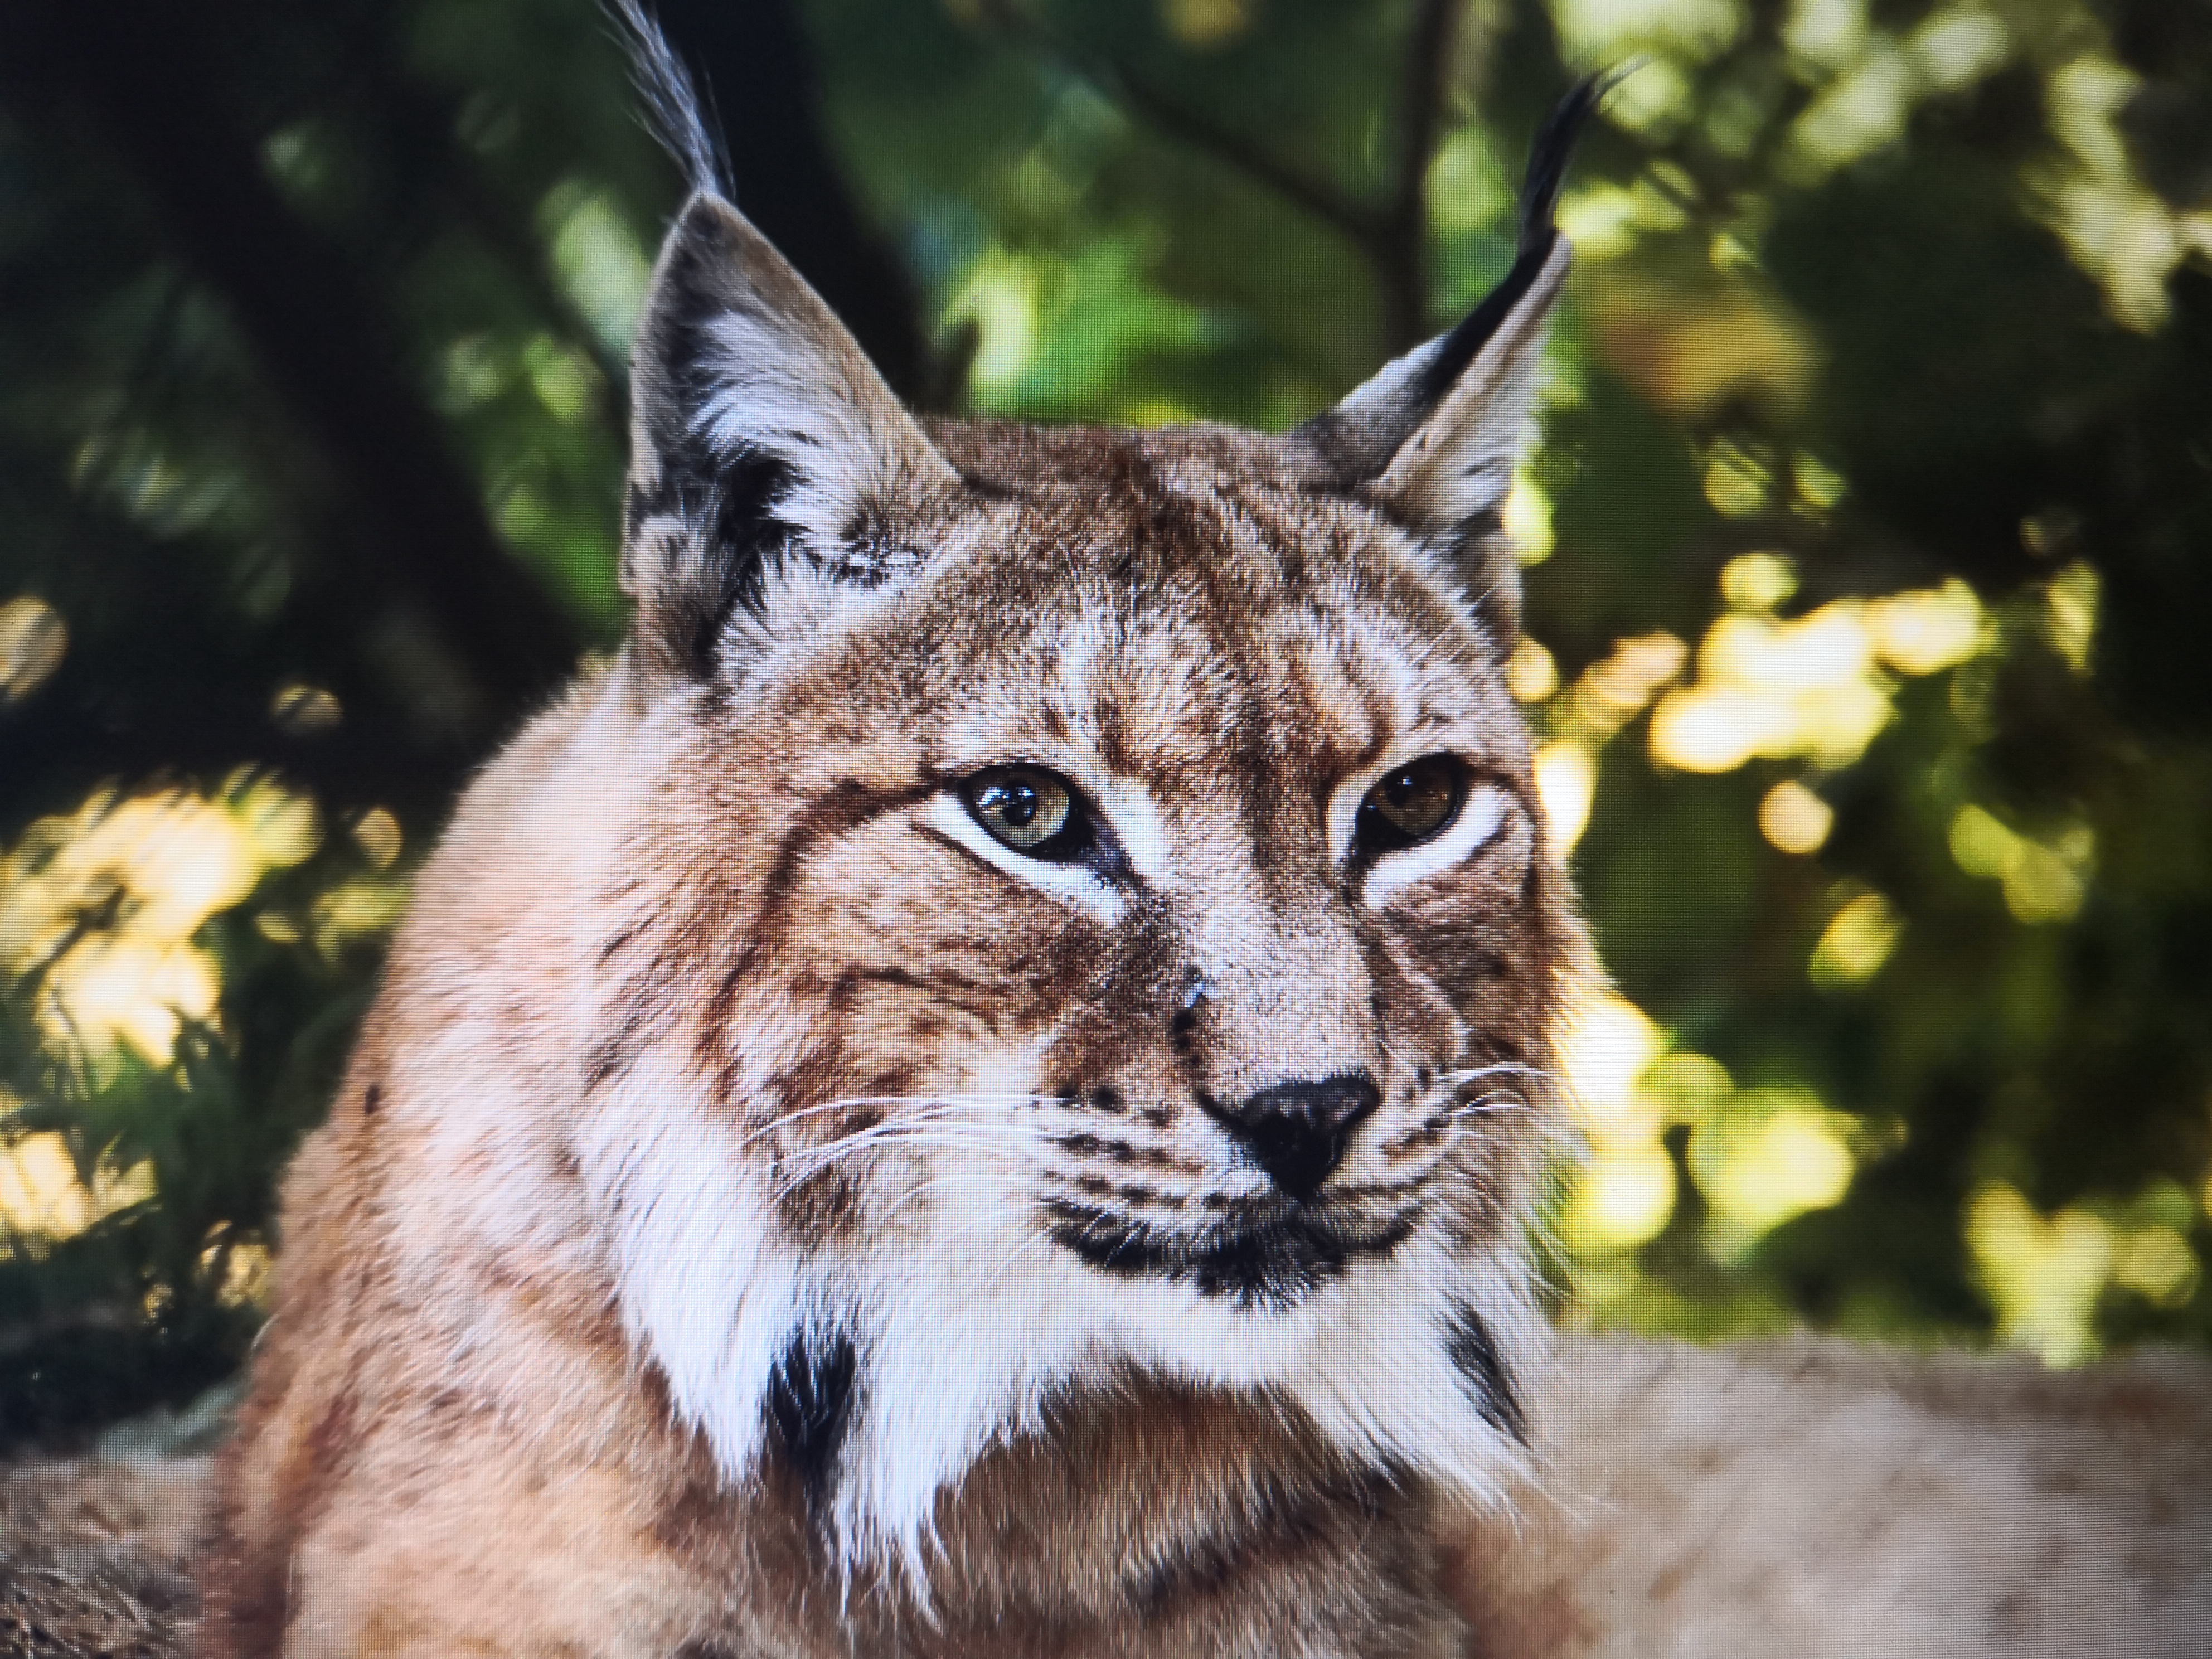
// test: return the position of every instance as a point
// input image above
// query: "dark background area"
(1868, 578)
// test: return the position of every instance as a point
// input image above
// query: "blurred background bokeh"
(1870, 561)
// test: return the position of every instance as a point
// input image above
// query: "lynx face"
(1085, 915)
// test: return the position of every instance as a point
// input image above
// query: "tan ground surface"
(1804, 1499)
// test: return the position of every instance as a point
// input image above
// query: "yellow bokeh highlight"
(2069, 614)
(1794, 819)
(2046, 880)
(2042, 1274)
(1688, 351)
(1566, 784)
(42, 1197)
(248, 1276)
(2045, 1274)
(1526, 518)
(1759, 1156)
(1605, 32)
(1206, 23)
(34, 640)
(1003, 298)
(2117, 229)
(1609, 1044)
(1930, 629)
(136, 991)
(355, 909)
(1531, 673)
(1736, 484)
(1766, 1155)
(1625, 1197)
(1854, 944)
(2156, 1263)
(1615, 688)
(1816, 687)
(1757, 581)
(1624, 1193)
(301, 710)
(101, 906)
(376, 832)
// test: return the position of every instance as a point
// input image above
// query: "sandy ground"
(1808, 1499)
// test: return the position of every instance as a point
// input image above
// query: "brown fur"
(767, 1217)
(451, 1444)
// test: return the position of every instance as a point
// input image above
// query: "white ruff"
(964, 1333)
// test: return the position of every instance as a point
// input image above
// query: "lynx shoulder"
(974, 1093)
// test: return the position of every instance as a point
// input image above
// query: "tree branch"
(1392, 234)
(1404, 250)
(1359, 222)
(150, 74)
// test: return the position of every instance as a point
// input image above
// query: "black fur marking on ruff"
(1470, 1347)
(810, 1406)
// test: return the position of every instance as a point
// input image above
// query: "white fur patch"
(708, 1286)
(769, 395)
(966, 1321)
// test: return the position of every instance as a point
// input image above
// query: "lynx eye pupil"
(1414, 803)
(1030, 810)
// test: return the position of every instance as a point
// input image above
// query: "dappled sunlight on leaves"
(44, 1196)
(34, 639)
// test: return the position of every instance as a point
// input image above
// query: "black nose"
(1297, 1132)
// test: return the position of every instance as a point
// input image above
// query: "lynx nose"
(1297, 1132)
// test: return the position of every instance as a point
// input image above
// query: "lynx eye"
(1414, 803)
(1028, 810)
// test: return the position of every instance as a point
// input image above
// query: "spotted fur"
(770, 1215)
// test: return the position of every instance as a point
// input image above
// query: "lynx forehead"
(1042, 946)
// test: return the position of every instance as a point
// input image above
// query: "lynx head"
(1086, 917)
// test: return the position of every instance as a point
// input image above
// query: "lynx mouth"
(1272, 1263)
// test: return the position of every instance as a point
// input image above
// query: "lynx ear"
(759, 433)
(1433, 438)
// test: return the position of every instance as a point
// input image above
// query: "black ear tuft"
(1554, 147)
(679, 112)
(1548, 156)
(1433, 438)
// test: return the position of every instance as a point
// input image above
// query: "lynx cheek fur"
(973, 1093)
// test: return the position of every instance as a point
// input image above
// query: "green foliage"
(1906, 900)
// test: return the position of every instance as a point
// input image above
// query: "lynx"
(974, 1092)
